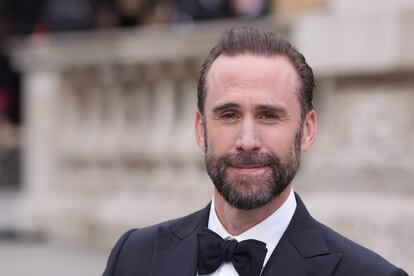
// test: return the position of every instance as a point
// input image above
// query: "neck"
(237, 221)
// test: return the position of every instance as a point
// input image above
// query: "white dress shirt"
(269, 231)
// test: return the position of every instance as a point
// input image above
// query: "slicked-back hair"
(247, 40)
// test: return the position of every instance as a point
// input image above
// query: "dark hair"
(247, 40)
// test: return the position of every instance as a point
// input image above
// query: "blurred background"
(97, 102)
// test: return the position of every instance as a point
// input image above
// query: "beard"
(251, 192)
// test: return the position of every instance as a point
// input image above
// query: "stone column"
(41, 89)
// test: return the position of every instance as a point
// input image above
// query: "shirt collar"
(268, 231)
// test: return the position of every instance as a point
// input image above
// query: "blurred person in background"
(199, 10)
(9, 78)
(9, 105)
(45, 16)
(25, 15)
(255, 118)
(105, 15)
(131, 12)
(248, 9)
(63, 15)
(160, 12)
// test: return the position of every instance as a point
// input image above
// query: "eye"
(229, 116)
(268, 116)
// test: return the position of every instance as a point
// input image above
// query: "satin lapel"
(302, 249)
(176, 248)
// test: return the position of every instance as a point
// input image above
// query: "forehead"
(271, 78)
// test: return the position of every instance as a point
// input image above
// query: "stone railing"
(109, 129)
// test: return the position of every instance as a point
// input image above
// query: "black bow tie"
(247, 256)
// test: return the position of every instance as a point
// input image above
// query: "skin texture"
(252, 106)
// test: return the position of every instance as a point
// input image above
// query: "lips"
(249, 166)
(249, 170)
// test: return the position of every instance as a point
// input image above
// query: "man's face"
(251, 131)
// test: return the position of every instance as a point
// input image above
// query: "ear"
(309, 131)
(199, 130)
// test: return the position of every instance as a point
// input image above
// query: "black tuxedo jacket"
(306, 248)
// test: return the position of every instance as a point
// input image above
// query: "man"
(255, 117)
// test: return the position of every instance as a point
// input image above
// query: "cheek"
(220, 140)
(281, 144)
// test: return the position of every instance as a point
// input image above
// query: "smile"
(249, 170)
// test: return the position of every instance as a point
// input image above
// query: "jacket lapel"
(285, 260)
(176, 248)
(302, 249)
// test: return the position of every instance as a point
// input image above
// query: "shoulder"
(357, 259)
(134, 250)
(144, 238)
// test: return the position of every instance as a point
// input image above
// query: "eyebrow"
(281, 111)
(225, 106)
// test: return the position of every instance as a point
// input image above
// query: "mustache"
(249, 159)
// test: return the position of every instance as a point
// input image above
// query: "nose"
(248, 137)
